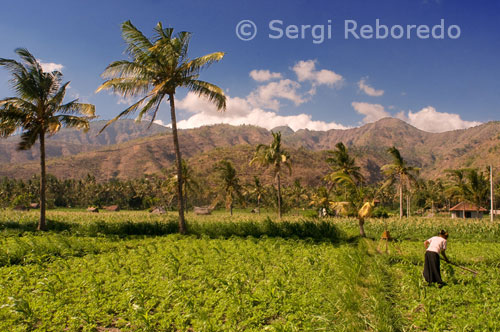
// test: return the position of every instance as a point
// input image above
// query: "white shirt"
(436, 244)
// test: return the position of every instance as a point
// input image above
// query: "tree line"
(156, 67)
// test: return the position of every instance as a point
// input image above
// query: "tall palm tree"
(38, 110)
(157, 67)
(401, 173)
(230, 184)
(275, 157)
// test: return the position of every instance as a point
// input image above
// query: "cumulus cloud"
(161, 123)
(363, 86)
(372, 112)
(428, 119)
(239, 111)
(50, 66)
(306, 71)
(264, 75)
(268, 96)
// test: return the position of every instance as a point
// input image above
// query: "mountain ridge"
(142, 154)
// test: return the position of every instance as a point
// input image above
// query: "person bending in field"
(435, 245)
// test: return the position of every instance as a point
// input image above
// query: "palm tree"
(477, 188)
(159, 66)
(342, 164)
(189, 182)
(401, 173)
(230, 184)
(275, 157)
(38, 110)
(257, 190)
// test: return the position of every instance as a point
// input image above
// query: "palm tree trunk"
(400, 201)
(186, 200)
(362, 227)
(407, 205)
(279, 195)
(43, 184)
(180, 201)
(258, 204)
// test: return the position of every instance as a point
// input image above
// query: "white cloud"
(239, 111)
(264, 75)
(372, 112)
(161, 123)
(428, 119)
(50, 66)
(267, 96)
(306, 71)
(368, 89)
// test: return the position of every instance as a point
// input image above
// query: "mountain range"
(127, 149)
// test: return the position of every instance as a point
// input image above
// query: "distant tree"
(189, 182)
(341, 162)
(320, 198)
(257, 191)
(157, 68)
(298, 194)
(275, 157)
(457, 184)
(38, 110)
(230, 184)
(401, 173)
(477, 188)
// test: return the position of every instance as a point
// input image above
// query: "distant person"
(435, 245)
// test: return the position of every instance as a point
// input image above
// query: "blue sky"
(434, 84)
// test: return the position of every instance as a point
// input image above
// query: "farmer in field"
(435, 245)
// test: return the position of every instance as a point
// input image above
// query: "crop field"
(129, 271)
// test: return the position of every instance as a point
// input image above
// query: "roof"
(466, 206)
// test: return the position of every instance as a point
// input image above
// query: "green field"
(129, 271)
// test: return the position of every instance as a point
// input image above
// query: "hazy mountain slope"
(473, 147)
(70, 141)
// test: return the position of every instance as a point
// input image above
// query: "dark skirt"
(432, 272)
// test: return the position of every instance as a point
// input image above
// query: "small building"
(467, 210)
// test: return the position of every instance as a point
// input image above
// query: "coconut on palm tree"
(275, 157)
(156, 68)
(399, 172)
(38, 110)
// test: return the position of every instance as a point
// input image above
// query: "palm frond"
(196, 65)
(209, 90)
(132, 108)
(138, 44)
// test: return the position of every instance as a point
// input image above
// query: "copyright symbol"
(246, 30)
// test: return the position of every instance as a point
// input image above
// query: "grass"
(128, 271)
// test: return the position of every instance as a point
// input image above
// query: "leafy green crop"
(126, 272)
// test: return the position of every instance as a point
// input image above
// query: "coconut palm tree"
(341, 161)
(157, 67)
(275, 157)
(38, 110)
(342, 164)
(189, 182)
(230, 184)
(401, 173)
(257, 190)
(477, 188)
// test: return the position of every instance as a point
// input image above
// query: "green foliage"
(125, 271)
